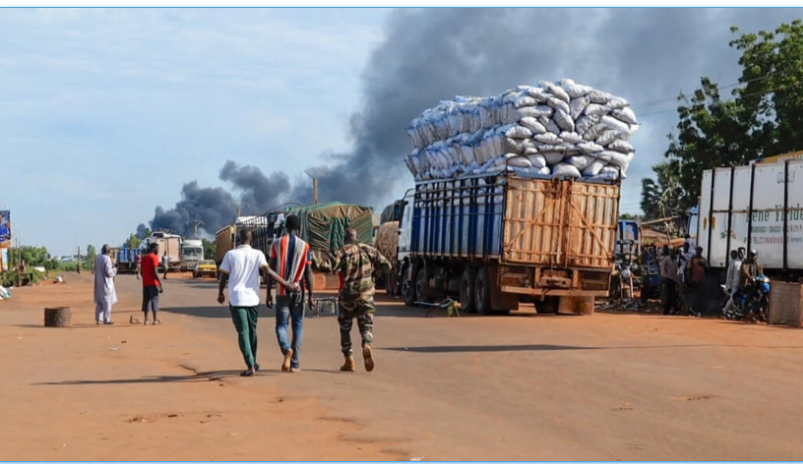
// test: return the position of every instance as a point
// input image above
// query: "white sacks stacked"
(561, 129)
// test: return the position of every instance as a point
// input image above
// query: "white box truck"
(758, 207)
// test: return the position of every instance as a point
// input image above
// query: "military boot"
(368, 356)
(349, 365)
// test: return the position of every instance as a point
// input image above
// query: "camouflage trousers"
(364, 310)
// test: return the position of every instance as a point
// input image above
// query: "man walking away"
(240, 269)
(165, 263)
(732, 279)
(697, 268)
(668, 270)
(151, 285)
(356, 261)
(290, 257)
(105, 293)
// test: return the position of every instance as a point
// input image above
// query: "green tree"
(772, 96)
(132, 241)
(763, 117)
(33, 256)
(210, 248)
(665, 195)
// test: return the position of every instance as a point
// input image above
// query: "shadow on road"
(489, 348)
(201, 376)
(503, 348)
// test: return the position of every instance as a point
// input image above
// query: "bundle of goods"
(559, 129)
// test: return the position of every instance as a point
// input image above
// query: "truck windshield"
(193, 252)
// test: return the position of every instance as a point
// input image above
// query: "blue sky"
(107, 113)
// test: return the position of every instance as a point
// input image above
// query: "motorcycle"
(751, 304)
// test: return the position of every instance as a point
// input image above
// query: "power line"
(661, 101)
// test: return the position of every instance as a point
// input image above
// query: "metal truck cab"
(405, 225)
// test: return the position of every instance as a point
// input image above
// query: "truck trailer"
(755, 207)
(495, 241)
(168, 243)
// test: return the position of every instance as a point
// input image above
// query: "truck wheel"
(482, 291)
(468, 300)
(407, 287)
(421, 285)
(391, 288)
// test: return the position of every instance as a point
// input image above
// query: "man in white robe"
(105, 293)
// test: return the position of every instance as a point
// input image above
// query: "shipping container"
(755, 207)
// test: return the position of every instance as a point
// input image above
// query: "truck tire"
(482, 292)
(421, 285)
(468, 294)
(407, 286)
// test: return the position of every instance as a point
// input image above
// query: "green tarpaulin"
(323, 226)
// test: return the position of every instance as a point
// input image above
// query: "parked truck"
(126, 259)
(495, 241)
(755, 207)
(192, 252)
(168, 243)
(224, 241)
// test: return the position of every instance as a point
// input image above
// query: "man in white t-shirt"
(240, 269)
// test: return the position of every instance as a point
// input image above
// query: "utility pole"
(239, 208)
(195, 223)
(315, 174)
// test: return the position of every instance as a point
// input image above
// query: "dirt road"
(604, 387)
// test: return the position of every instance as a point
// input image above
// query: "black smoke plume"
(644, 55)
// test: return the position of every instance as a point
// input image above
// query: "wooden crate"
(786, 304)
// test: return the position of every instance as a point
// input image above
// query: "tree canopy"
(763, 117)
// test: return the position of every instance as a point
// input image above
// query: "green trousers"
(245, 321)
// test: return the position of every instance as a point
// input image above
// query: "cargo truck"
(169, 243)
(192, 253)
(755, 207)
(495, 241)
(126, 259)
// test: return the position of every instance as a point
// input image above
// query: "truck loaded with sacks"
(516, 199)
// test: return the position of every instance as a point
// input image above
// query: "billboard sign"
(5, 229)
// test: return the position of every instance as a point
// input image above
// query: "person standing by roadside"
(356, 261)
(732, 279)
(697, 269)
(240, 269)
(139, 265)
(165, 263)
(291, 258)
(151, 285)
(668, 270)
(105, 293)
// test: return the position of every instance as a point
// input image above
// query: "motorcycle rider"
(748, 273)
(750, 269)
(732, 280)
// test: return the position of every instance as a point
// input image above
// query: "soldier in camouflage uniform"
(356, 262)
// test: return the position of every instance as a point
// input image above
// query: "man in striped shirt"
(290, 258)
